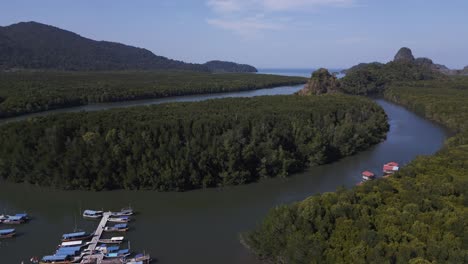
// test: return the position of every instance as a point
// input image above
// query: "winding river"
(201, 226)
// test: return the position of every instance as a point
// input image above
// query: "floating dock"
(96, 258)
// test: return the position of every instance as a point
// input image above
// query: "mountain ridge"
(32, 45)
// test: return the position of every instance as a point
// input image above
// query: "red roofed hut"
(367, 175)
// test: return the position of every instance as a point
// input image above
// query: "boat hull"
(7, 236)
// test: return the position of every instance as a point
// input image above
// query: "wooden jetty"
(96, 258)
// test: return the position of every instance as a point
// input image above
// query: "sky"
(265, 33)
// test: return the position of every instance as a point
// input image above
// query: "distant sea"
(295, 72)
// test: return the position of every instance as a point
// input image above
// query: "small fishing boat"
(78, 243)
(113, 240)
(139, 259)
(123, 212)
(7, 233)
(107, 249)
(13, 220)
(76, 236)
(56, 259)
(118, 254)
(70, 251)
(116, 228)
(91, 214)
(119, 219)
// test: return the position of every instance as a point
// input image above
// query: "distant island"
(32, 45)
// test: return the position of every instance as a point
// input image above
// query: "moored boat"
(123, 212)
(107, 249)
(7, 233)
(113, 240)
(116, 228)
(76, 236)
(118, 254)
(91, 214)
(78, 243)
(119, 219)
(56, 259)
(139, 259)
(14, 219)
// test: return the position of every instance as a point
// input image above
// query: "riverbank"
(30, 92)
(403, 218)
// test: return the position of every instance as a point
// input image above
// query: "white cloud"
(251, 16)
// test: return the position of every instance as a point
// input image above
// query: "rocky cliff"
(321, 82)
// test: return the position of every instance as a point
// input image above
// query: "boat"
(123, 253)
(13, 220)
(7, 233)
(57, 259)
(139, 259)
(91, 214)
(76, 236)
(107, 249)
(113, 240)
(116, 228)
(78, 243)
(119, 219)
(123, 212)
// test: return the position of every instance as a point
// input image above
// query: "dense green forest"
(182, 146)
(373, 78)
(419, 215)
(32, 45)
(27, 92)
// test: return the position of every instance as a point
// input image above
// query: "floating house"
(390, 168)
(367, 175)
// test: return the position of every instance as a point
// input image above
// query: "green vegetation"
(419, 215)
(27, 92)
(183, 146)
(32, 45)
(373, 78)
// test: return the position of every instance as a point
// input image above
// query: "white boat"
(113, 240)
(91, 214)
(123, 212)
(116, 228)
(119, 219)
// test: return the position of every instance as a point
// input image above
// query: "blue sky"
(265, 33)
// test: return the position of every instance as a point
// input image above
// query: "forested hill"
(32, 45)
(374, 78)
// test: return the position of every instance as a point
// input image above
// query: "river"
(201, 226)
